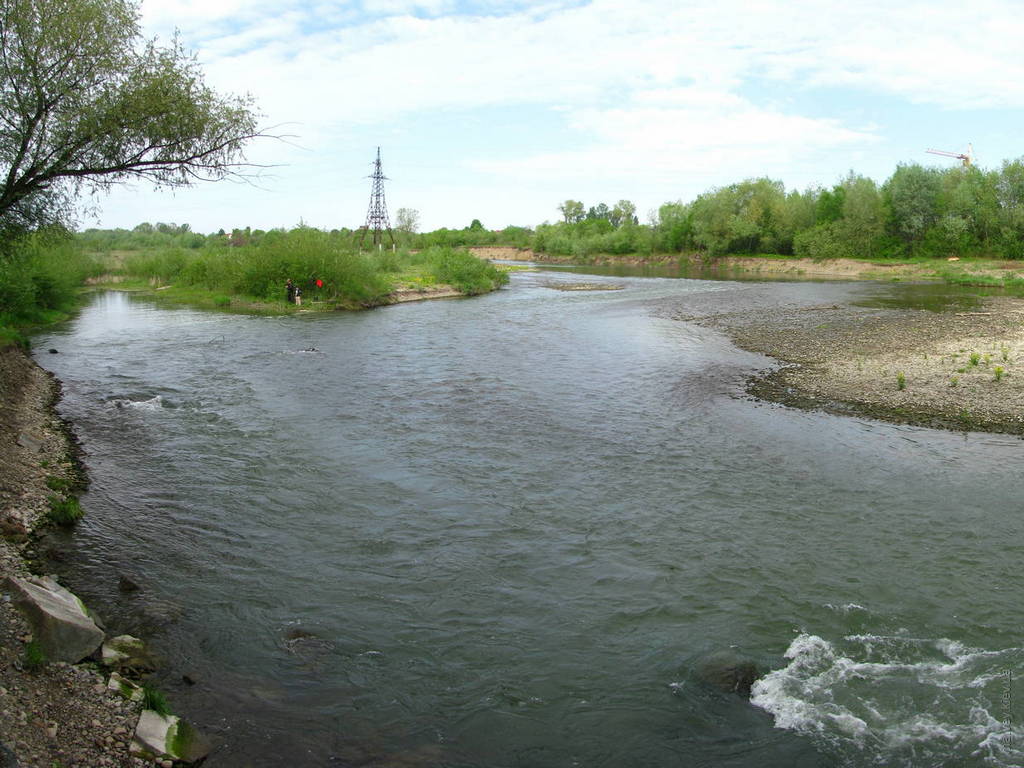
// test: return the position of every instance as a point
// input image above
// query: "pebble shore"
(959, 370)
(59, 715)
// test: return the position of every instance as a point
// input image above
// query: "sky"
(499, 110)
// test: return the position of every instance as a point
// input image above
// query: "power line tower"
(377, 215)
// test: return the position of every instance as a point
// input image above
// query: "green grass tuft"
(155, 700)
(34, 659)
(64, 511)
(57, 483)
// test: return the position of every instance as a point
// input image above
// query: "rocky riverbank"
(52, 713)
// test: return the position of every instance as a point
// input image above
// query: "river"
(504, 531)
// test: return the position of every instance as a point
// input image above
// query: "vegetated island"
(327, 268)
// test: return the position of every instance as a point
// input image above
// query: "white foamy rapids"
(152, 404)
(899, 701)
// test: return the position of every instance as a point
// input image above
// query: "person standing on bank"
(298, 295)
(289, 291)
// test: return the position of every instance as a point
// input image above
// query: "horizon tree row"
(919, 211)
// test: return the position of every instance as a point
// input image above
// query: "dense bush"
(304, 255)
(39, 276)
(461, 270)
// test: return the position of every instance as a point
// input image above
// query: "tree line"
(917, 212)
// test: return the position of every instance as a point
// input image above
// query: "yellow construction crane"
(966, 157)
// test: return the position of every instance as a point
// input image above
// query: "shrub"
(39, 276)
(463, 271)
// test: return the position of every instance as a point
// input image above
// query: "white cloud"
(923, 52)
(706, 137)
(402, 64)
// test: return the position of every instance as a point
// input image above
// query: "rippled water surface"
(504, 531)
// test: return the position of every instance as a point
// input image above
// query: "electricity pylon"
(377, 215)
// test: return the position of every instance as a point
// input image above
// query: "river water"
(505, 531)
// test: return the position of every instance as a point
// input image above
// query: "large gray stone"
(59, 621)
(167, 737)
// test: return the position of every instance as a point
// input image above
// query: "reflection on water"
(501, 531)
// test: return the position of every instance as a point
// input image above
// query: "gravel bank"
(60, 715)
(961, 370)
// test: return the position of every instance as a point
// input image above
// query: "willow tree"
(86, 102)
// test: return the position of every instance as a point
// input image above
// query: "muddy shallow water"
(504, 531)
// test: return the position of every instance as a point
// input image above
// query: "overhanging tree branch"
(86, 103)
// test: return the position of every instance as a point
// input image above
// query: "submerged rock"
(60, 622)
(728, 671)
(307, 646)
(127, 652)
(127, 585)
